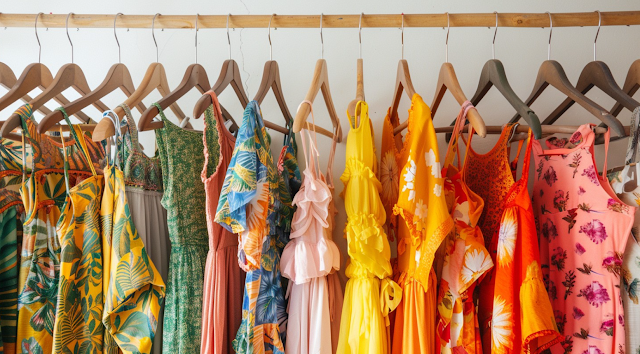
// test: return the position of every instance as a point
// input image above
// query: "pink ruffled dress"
(310, 260)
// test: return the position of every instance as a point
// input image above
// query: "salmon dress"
(223, 279)
(584, 229)
(311, 260)
(370, 294)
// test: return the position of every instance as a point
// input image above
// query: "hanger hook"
(446, 43)
(116, 35)
(321, 38)
(270, 45)
(153, 34)
(35, 26)
(197, 38)
(493, 45)
(597, 33)
(69, 37)
(550, 33)
(402, 35)
(360, 33)
(228, 38)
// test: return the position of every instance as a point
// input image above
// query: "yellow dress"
(370, 295)
(78, 323)
(422, 205)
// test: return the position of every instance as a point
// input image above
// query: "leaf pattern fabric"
(182, 155)
(8, 279)
(132, 286)
(582, 256)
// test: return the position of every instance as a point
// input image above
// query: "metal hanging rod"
(567, 19)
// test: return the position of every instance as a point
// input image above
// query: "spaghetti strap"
(133, 129)
(457, 132)
(78, 136)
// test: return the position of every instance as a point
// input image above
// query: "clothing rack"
(523, 20)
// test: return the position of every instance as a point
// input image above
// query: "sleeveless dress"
(144, 190)
(78, 319)
(584, 229)
(311, 259)
(256, 203)
(369, 295)
(422, 206)
(224, 280)
(625, 185)
(184, 198)
(11, 215)
(133, 288)
(44, 194)
(466, 259)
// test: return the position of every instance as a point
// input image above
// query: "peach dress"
(311, 260)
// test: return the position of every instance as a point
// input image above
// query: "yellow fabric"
(370, 295)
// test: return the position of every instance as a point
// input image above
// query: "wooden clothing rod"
(567, 19)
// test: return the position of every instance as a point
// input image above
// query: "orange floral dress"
(421, 204)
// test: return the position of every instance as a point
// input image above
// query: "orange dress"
(421, 204)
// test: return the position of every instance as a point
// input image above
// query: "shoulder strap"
(131, 127)
(160, 111)
(527, 158)
(313, 154)
(634, 138)
(452, 149)
(607, 139)
(78, 136)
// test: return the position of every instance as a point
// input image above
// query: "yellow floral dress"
(132, 285)
(78, 324)
(370, 295)
(422, 205)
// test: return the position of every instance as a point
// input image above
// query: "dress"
(256, 203)
(78, 320)
(584, 229)
(422, 207)
(370, 294)
(133, 288)
(143, 186)
(466, 259)
(625, 185)
(182, 154)
(310, 259)
(224, 280)
(44, 194)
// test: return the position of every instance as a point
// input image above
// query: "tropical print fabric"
(182, 155)
(256, 203)
(425, 222)
(370, 294)
(8, 279)
(584, 229)
(133, 288)
(466, 259)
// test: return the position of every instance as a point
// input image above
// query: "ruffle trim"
(357, 168)
(368, 245)
(303, 261)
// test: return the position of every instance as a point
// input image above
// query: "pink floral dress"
(583, 230)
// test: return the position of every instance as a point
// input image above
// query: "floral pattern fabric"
(584, 229)
(256, 203)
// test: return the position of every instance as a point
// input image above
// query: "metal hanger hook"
(153, 34)
(595, 40)
(321, 38)
(550, 33)
(116, 35)
(269, 35)
(35, 26)
(69, 37)
(493, 44)
(228, 38)
(360, 33)
(402, 35)
(197, 37)
(446, 43)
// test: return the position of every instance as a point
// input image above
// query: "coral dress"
(369, 295)
(311, 259)
(224, 280)
(584, 229)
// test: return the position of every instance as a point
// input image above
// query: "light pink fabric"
(310, 260)
(223, 279)
(583, 230)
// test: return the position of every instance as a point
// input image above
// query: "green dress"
(182, 154)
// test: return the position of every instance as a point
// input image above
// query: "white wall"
(521, 51)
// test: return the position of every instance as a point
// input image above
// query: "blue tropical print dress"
(256, 203)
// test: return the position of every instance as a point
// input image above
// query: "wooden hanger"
(271, 82)
(552, 73)
(630, 87)
(351, 109)
(229, 75)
